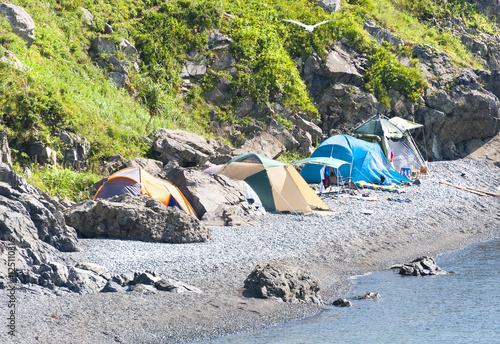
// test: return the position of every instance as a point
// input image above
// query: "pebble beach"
(366, 230)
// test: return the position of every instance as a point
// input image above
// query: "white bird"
(309, 28)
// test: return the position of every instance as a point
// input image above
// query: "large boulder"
(30, 230)
(29, 206)
(422, 266)
(21, 22)
(217, 200)
(262, 143)
(188, 150)
(135, 217)
(283, 282)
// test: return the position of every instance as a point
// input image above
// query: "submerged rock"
(422, 266)
(342, 303)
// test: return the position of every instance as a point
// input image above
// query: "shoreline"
(438, 220)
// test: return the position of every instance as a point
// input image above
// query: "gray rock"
(283, 282)
(340, 69)
(368, 296)
(488, 7)
(244, 108)
(189, 149)
(40, 153)
(27, 209)
(108, 29)
(5, 155)
(60, 273)
(112, 287)
(85, 281)
(212, 197)
(102, 44)
(89, 18)
(167, 284)
(153, 167)
(76, 149)
(330, 5)
(143, 289)
(217, 40)
(221, 94)
(118, 66)
(341, 302)
(382, 35)
(137, 218)
(119, 78)
(262, 143)
(129, 50)
(224, 62)
(421, 267)
(11, 60)
(145, 278)
(21, 22)
(196, 69)
(122, 279)
(100, 270)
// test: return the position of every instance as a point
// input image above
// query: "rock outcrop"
(28, 216)
(283, 282)
(104, 51)
(137, 218)
(181, 148)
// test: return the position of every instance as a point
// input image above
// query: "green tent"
(394, 138)
(278, 185)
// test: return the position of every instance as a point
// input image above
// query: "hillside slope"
(100, 78)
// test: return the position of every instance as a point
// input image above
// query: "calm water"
(455, 308)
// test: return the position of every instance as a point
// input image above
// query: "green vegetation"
(63, 182)
(62, 88)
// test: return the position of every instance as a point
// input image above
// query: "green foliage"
(288, 157)
(62, 182)
(387, 72)
(439, 9)
(63, 89)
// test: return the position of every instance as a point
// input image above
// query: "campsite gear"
(278, 185)
(398, 200)
(136, 181)
(406, 171)
(364, 185)
(393, 136)
(365, 161)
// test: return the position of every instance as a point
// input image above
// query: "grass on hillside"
(63, 89)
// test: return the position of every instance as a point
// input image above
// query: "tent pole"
(369, 119)
(425, 144)
(296, 213)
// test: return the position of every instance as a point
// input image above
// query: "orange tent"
(136, 181)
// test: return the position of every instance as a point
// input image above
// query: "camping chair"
(344, 184)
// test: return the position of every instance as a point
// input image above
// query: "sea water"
(456, 308)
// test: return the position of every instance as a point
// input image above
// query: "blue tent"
(366, 161)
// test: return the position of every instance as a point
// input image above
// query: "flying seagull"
(309, 28)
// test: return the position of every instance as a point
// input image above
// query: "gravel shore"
(357, 237)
